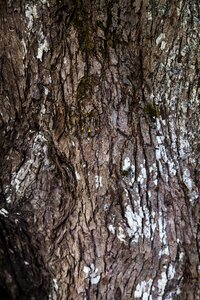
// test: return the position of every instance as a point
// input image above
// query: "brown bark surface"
(99, 139)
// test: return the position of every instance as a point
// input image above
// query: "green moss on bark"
(152, 111)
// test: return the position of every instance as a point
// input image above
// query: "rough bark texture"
(99, 135)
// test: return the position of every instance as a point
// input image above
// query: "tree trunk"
(99, 134)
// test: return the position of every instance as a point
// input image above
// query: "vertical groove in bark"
(99, 136)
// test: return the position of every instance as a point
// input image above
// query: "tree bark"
(99, 135)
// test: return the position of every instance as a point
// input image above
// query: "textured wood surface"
(99, 138)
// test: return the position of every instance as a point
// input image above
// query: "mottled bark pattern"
(99, 135)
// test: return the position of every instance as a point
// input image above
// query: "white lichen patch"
(187, 179)
(134, 221)
(172, 168)
(49, 79)
(170, 296)
(160, 39)
(162, 229)
(171, 272)
(46, 91)
(44, 2)
(143, 290)
(181, 256)
(127, 164)
(43, 45)
(179, 7)
(4, 212)
(130, 168)
(95, 278)
(149, 225)
(30, 13)
(78, 177)
(43, 110)
(164, 251)
(8, 195)
(161, 285)
(28, 171)
(184, 146)
(111, 228)
(55, 284)
(92, 274)
(98, 181)
(121, 234)
(163, 45)
(163, 235)
(140, 223)
(106, 207)
(182, 121)
(193, 193)
(162, 156)
(160, 148)
(149, 16)
(178, 291)
(24, 47)
(86, 270)
(142, 176)
(154, 173)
